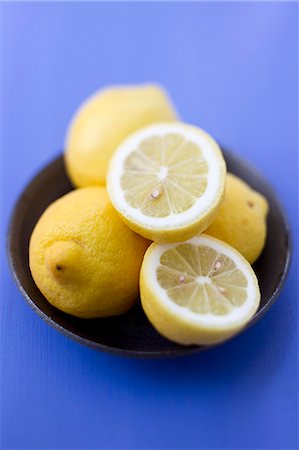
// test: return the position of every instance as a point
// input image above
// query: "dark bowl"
(132, 334)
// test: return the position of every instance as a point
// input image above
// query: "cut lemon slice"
(167, 181)
(201, 291)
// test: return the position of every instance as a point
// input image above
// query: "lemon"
(83, 258)
(197, 292)
(241, 221)
(104, 121)
(167, 181)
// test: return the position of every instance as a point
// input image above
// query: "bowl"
(132, 334)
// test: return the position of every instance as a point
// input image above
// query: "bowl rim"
(151, 354)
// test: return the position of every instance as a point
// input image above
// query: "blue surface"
(230, 68)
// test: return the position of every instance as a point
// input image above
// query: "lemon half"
(167, 181)
(198, 292)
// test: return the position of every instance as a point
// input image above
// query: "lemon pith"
(167, 181)
(198, 292)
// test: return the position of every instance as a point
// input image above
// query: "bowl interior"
(132, 333)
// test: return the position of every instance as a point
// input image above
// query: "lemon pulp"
(201, 279)
(165, 175)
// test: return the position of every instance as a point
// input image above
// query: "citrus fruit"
(241, 221)
(83, 258)
(167, 181)
(201, 291)
(104, 121)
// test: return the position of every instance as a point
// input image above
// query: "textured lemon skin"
(104, 121)
(83, 258)
(241, 221)
(176, 327)
(181, 233)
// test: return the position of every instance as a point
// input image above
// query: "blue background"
(230, 68)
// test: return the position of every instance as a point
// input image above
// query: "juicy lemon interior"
(201, 279)
(165, 175)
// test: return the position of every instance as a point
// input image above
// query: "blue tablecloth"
(231, 69)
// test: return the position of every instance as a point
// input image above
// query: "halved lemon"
(167, 181)
(201, 291)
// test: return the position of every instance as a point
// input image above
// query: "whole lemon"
(241, 221)
(83, 258)
(104, 121)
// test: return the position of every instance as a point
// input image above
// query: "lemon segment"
(167, 181)
(198, 292)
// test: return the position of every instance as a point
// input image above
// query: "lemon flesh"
(104, 121)
(167, 181)
(83, 258)
(198, 292)
(241, 220)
